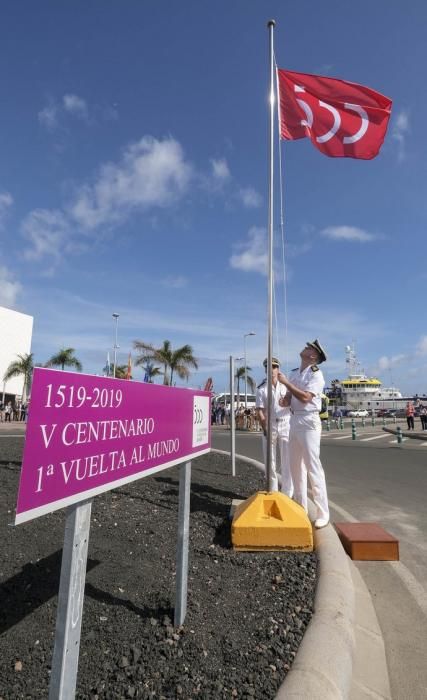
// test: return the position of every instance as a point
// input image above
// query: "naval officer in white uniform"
(304, 388)
(280, 416)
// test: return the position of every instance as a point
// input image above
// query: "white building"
(16, 330)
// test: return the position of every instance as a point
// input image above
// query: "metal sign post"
(183, 539)
(70, 602)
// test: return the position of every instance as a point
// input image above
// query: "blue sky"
(133, 179)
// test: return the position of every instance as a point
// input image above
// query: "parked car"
(360, 413)
(386, 412)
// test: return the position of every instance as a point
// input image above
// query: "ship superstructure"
(358, 391)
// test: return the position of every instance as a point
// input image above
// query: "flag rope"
(283, 248)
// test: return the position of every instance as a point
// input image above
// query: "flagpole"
(269, 450)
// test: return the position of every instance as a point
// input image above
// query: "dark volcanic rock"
(247, 612)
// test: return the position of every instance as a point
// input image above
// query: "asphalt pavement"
(375, 479)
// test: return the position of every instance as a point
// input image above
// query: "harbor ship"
(358, 391)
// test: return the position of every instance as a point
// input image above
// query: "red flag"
(342, 119)
(129, 368)
(208, 385)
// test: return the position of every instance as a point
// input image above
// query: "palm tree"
(174, 360)
(23, 365)
(240, 374)
(121, 372)
(65, 358)
(150, 371)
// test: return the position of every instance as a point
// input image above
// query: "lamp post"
(116, 318)
(246, 372)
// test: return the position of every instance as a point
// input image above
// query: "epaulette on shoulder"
(314, 368)
(262, 383)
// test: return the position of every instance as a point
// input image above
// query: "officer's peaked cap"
(274, 361)
(316, 345)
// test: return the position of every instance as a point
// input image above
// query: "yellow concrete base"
(271, 521)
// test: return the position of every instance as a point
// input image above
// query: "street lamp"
(116, 318)
(246, 373)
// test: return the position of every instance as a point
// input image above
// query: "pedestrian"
(337, 416)
(410, 412)
(227, 415)
(304, 388)
(1, 412)
(240, 412)
(23, 415)
(280, 418)
(8, 412)
(423, 417)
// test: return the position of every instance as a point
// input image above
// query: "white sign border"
(84, 495)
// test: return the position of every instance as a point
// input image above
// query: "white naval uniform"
(304, 442)
(280, 435)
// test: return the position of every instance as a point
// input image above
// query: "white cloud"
(47, 231)
(151, 173)
(385, 362)
(76, 106)
(421, 348)
(250, 197)
(9, 288)
(253, 255)
(48, 116)
(220, 169)
(399, 132)
(347, 233)
(6, 201)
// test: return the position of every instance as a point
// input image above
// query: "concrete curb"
(342, 653)
(323, 666)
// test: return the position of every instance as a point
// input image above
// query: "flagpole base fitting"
(271, 521)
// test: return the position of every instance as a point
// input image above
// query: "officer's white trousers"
(304, 448)
(280, 439)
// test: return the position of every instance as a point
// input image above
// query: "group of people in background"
(246, 418)
(13, 412)
(410, 412)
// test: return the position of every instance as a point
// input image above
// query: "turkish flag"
(342, 119)
(208, 385)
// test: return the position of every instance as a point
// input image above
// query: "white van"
(224, 399)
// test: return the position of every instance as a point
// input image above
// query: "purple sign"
(86, 435)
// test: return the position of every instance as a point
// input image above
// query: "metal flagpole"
(232, 419)
(269, 451)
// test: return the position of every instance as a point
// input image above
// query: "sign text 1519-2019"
(75, 397)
